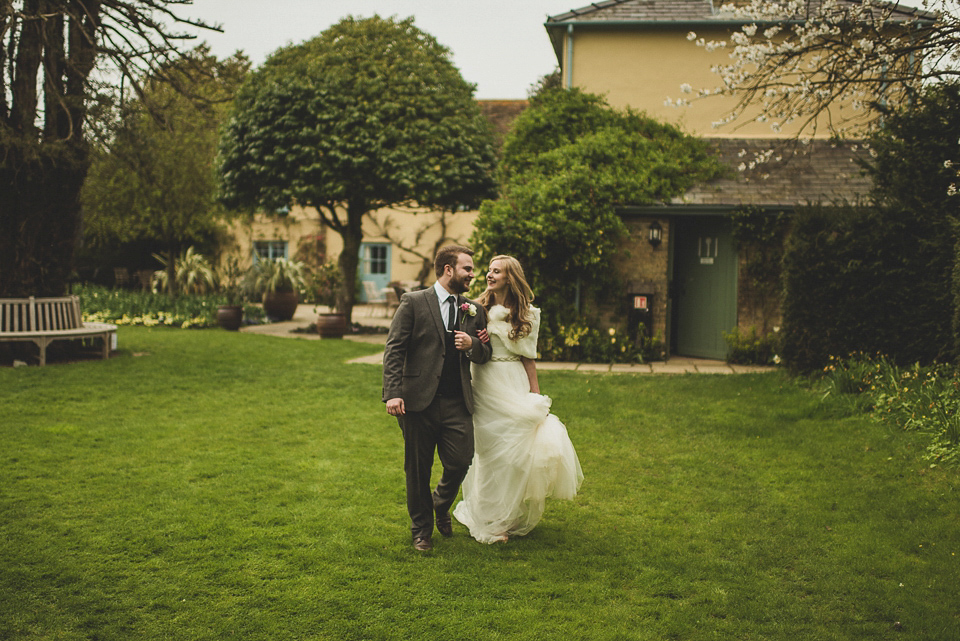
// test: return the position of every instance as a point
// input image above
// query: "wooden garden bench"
(44, 320)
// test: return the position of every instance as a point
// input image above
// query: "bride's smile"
(496, 278)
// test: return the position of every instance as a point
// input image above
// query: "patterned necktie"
(452, 314)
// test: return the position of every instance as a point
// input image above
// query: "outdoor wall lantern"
(655, 234)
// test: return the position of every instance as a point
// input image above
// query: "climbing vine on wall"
(758, 235)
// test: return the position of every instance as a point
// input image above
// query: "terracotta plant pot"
(331, 325)
(230, 316)
(280, 306)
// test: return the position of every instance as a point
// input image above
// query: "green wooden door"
(705, 285)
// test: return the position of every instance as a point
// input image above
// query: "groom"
(426, 385)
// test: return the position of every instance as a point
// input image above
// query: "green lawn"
(210, 485)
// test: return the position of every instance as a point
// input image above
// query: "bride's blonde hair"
(516, 299)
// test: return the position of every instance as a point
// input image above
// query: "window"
(269, 249)
(376, 259)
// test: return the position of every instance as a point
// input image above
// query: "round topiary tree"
(369, 114)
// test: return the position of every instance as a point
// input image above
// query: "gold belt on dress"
(505, 359)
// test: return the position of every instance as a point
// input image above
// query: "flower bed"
(126, 307)
(922, 399)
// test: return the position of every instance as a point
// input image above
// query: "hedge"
(866, 280)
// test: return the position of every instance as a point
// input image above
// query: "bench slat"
(42, 320)
(40, 314)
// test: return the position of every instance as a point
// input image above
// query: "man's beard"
(459, 285)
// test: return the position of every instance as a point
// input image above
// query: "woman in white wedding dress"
(523, 453)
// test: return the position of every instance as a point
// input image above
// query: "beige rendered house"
(638, 53)
(398, 244)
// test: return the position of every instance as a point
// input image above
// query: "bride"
(523, 453)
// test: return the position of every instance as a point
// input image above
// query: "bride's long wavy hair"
(517, 298)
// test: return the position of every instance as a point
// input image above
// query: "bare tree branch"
(834, 63)
(387, 227)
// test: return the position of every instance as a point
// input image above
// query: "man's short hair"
(448, 256)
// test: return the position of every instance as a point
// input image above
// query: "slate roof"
(820, 171)
(682, 13)
(501, 114)
(644, 11)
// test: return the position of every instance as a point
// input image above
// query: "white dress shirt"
(443, 296)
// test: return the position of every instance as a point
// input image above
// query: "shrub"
(864, 280)
(916, 398)
(277, 275)
(581, 343)
(323, 284)
(915, 171)
(192, 274)
(750, 348)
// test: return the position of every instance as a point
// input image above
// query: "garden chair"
(375, 297)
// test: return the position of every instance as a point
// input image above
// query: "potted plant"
(326, 287)
(229, 280)
(192, 274)
(279, 282)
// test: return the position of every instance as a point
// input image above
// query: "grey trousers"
(446, 427)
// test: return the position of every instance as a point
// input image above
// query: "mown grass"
(212, 485)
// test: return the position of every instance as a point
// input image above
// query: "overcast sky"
(498, 45)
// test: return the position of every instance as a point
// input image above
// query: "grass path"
(211, 485)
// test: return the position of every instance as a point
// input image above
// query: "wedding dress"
(523, 453)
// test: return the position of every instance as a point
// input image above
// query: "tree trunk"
(352, 234)
(23, 106)
(171, 269)
(39, 216)
(41, 176)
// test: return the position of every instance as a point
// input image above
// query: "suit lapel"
(434, 304)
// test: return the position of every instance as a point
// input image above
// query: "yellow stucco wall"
(643, 68)
(303, 225)
(298, 226)
(403, 227)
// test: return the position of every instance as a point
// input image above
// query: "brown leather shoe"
(422, 544)
(444, 524)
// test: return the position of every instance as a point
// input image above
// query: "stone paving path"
(376, 317)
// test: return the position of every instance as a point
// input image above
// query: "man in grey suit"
(426, 385)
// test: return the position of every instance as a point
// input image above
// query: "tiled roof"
(639, 10)
(688, 11)
(796, 174)
(501, 114)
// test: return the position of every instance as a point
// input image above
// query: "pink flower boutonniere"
(468, 309)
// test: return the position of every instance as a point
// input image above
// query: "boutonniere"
(469, 309)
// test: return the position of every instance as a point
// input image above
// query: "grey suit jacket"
(413, 357)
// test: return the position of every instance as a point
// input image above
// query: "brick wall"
(643, 270)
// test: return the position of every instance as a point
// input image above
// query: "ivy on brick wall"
(758, 235)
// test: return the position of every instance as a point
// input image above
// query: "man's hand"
(462, 340)
(395, 407)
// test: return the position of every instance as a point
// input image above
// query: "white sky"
(498, 45)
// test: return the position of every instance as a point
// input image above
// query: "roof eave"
(557, 28)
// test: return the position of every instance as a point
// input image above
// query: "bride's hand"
(483, 336)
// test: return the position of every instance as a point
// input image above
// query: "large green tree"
(568, 163)
(369, 114)
(48, 52)
(156, 180)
